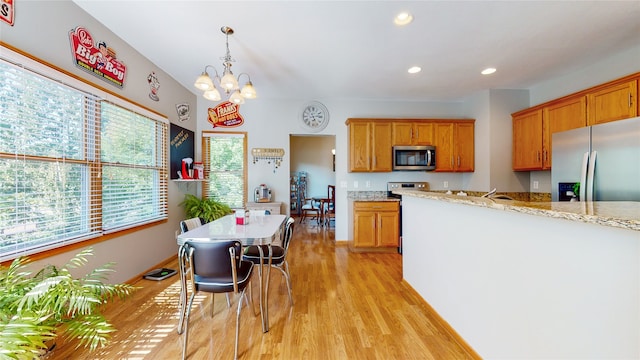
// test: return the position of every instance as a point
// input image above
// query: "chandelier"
(228, 82)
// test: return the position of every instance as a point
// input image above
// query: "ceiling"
(352, 49)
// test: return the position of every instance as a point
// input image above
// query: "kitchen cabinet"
(566, 114)
(412, 133)
(369, 146)
(454, 142)
(533, 129)
(527, 140)
(613, 102)
(376, 224)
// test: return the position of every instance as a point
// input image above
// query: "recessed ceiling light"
(403, 18)
(414, 69)
(488, 71)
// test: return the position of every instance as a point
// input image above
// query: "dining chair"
(310, 207)
(190, 224)
(214, 267)
(279, 254)
(330, 209)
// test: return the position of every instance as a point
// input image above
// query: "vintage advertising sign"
(96, 58)
(225, 114)
(6, 11)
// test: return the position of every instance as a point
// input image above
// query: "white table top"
(260, 230)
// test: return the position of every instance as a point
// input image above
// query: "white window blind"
(72, 166)
(224, 160)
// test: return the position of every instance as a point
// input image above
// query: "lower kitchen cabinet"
(376, 224)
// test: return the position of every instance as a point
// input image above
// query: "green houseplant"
(207, 209)
(36, 310)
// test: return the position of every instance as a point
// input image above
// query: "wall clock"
(314, 116)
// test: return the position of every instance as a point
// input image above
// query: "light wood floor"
(346, 306)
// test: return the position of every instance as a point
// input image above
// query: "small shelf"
(189, 180)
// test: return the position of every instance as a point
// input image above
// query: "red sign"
(97, 59)
(6, 11)
(225, 114)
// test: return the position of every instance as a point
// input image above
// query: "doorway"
(313, 155)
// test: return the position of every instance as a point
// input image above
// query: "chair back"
(331, 194)
(288, 233)
(215, 261)
(190, 224)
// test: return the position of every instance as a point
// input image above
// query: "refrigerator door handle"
(590, 175)
(583, 177)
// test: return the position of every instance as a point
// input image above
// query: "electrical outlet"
(343, 184)
(367, 184)
(355, 184)
(535, 185)
(446, 184)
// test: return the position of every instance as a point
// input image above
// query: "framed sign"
(182, 146)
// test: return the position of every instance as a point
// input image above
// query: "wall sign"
(96, 58)
(182, 146)
(6, 11)
(225, 114)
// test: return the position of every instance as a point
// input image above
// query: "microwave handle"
(429, 157)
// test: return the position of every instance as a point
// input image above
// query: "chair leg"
(186, 326)
(287, 279)
(228, 301)
(242, 294)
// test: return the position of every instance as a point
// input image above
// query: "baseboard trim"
(443, 323)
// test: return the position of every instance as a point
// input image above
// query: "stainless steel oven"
(391, 186)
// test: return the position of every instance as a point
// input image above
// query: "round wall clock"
(314, 116)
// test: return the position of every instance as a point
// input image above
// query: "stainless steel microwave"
(414, 158)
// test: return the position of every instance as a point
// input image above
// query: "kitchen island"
(528, 280)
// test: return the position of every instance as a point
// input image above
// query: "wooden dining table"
(261, 230)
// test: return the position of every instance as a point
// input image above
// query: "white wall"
(41, 29)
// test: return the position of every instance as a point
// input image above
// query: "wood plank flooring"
(346, 306)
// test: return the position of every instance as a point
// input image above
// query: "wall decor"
(6, 11)
(182, 147)
(225, 114)
(269, 155)
(183, 111)
(154, 85)
(96, 58)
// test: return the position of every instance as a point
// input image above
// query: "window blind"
(72, 165)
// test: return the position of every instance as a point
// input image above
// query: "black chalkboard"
(182, 146)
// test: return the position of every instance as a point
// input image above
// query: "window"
(224, 160)
(73, 165)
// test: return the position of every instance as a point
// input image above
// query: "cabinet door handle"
(537, 155)
(630, 100)
(458, 160)
(411, 134)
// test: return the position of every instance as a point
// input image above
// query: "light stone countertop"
(620, 214)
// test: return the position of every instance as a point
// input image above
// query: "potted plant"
(36, 310)
(206, 209)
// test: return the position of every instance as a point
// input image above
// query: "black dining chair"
(279, 254)
(214, 267)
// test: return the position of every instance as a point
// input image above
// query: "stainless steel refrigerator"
(604, 159)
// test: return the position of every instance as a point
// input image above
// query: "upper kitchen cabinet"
(412, 133)
(533, 127)
(613, 102)
(566, 114)
(369, 145)
(454, 142)
(527, 140)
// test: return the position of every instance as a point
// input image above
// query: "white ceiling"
(351, 49)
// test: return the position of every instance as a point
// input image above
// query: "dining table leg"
(264, 287)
